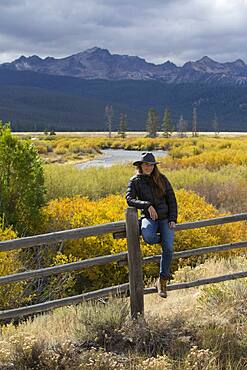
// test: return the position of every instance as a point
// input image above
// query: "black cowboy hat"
(146, 157)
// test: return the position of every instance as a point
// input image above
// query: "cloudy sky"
(157, 30)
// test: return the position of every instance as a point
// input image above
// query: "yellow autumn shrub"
(193, 207)
(60, 149)
(216, 159)
(80, 212)
(207, 152)
(10, 294)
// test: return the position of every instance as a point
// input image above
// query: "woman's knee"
(150, 238)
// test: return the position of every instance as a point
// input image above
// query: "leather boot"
(161, 287)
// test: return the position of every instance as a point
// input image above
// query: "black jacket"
(140, 194)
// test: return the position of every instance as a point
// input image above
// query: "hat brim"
(137, 163)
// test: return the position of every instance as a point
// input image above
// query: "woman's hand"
(153, 213)
(172, 225)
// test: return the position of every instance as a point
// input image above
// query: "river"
(110, 157)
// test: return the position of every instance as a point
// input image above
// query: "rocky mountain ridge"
(97, 63)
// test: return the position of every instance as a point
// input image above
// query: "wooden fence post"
(135, 263)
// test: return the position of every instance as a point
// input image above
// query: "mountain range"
(98, 63)
(70, 94)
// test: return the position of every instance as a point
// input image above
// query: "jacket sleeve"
(172, 202)
(132, 197)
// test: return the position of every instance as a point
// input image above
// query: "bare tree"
(215, 125)
(109, 118)
(194, 122)
(182, 127)
(122, 125)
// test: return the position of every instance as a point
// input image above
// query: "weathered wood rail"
(128, 229)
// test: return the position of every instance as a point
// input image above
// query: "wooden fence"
(128, 229)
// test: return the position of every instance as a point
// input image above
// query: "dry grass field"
(193, 329)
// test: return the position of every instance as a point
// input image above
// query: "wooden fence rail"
(135, 287)
(59, 236)
(114, 228)
(121, 258)
(114, 290)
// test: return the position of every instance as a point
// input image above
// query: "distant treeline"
(35, 102)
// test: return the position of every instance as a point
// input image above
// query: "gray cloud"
(157, 30)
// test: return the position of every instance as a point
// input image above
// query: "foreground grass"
(199, 328)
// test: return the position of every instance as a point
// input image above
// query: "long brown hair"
(159, 182)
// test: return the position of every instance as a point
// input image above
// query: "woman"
(150, 191)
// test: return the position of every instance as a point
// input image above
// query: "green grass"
(225, 188)
(218, 187)
(66, 181)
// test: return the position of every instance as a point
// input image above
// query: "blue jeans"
(149, 230)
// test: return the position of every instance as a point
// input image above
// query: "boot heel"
(161, 287)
